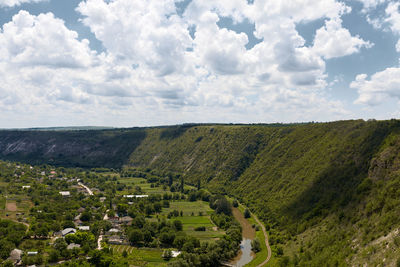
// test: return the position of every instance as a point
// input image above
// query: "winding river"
(248, 234)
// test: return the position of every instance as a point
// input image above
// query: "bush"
(200, 228)
(167, 254)
(255, 245)
(235, 203)
(247, 213)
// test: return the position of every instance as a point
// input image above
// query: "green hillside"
(329, 193)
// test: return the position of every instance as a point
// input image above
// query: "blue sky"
(139, 63)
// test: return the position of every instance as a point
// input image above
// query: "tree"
(86, 216)
(54, 255)
(182, 185)
(247, 213)
(198, 184)
(135, 236)
(178, 225)
(223, 206)
(235, 203)
(60, 244)
(255, 245)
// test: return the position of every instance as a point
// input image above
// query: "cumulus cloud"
(42, 40)
(12, 3)
(379, 87)
(333, 40)
(153, 64)
(370, 4)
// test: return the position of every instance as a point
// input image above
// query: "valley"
(326, 193)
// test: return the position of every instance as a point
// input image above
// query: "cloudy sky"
(157, 62)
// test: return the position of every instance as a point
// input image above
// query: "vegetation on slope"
(328, 193)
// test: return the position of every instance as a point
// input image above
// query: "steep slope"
(328, 192)
(95, 148)
(310, 183)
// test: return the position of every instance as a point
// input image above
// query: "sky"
(127, 63)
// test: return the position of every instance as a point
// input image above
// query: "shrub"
(247, 213)
(200, 228)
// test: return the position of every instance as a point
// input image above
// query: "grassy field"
(144, 185)
(191, 222)
(22, 204)
(141, 257)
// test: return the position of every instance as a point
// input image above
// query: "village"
(141, 217)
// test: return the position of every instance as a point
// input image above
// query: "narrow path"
(266, 241)
(99, 242)
(87, 189)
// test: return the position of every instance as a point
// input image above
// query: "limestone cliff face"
(106, 148)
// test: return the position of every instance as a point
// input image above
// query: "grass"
(191, 222)
(23, 206)
(2, 203)
(144, 185)
(141, 257)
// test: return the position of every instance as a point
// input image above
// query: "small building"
(112, 231)
(65, 193)
(135, 196)
(32, 253)
(15, 255)
(116, 240)
(81, 209)
(102, 199)
(84, 228)
(73, 245)
(175, 253)
(68, 231)
(26, 186)
(127, 220)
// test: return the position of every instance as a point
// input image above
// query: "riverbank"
(245, 254)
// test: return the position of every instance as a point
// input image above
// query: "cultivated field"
(141, 257)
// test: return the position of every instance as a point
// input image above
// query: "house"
(84, 228)
(112, 231)
(32, 253)
(68, 231)
(127, 220)
(15, 255)
(135, 196)
(116, 240)
(65, 193)
(102, 199)
(26, 186)
(175, 253)
(73, 245)
(81, 209)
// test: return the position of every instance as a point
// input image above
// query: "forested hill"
(329, 192)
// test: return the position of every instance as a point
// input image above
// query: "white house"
(84, 228)
(135, 196)
(65, 193)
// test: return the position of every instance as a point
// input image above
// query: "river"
(248, 234)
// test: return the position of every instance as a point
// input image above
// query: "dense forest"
(328, 193)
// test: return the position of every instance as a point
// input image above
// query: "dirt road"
(266, 241)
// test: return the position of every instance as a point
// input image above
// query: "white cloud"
(393, 16)
(371, 4)
(152, 66)
(12, 3)
(333, 40)
(42, 40)
(380, 87)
